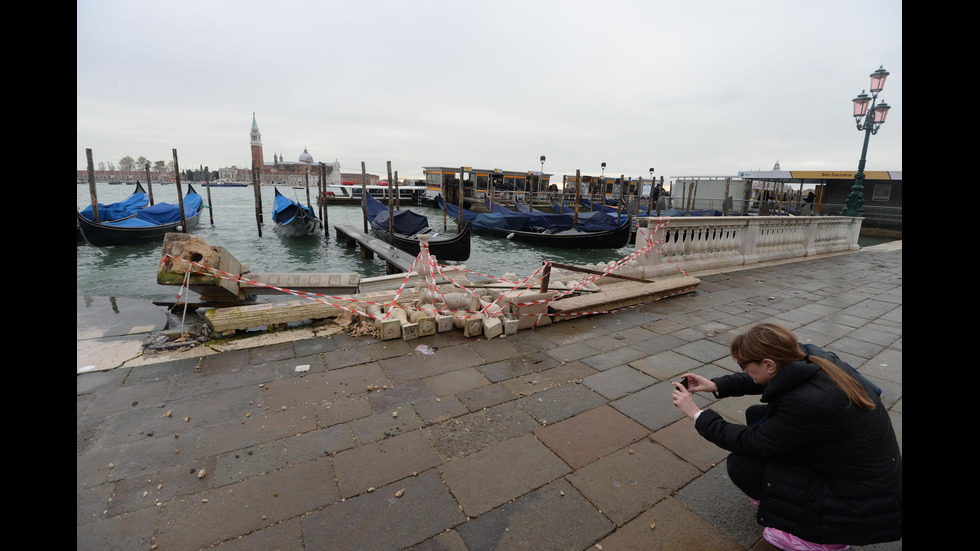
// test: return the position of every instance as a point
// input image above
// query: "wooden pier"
(396, 260)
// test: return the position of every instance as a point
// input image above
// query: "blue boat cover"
(406, 222)
(162, 213)
(121, 209)
(504, 218)
(284, 210)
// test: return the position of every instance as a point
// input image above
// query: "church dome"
(306, 157)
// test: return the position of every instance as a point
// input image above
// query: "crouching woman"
(819, 455)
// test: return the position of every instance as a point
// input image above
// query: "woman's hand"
(697, 383)
(684, 401)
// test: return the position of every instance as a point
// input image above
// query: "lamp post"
(540, 177)
(602, 182)
(869, 118)
(653, 186)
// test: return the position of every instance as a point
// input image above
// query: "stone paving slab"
(421, 366)
(380, 463)
(632, 479)
(384, 519)
(591, 435)
(714, 498)
(553, 518)
(500, 473)
(561, 402)
(475, 431)
(212, 516)
(651, 407)
(670, 526)
(618, 381)
(680, 438)
(457, 381)
(485, 396)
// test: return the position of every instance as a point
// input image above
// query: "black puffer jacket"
(834, 471)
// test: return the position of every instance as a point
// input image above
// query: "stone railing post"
(810, 238)
(749, 242)
(853, 232)
(646, 228)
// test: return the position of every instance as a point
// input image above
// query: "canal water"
(130, 271)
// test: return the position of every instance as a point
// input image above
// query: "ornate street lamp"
(869, 118)
(602, 184)
(541, 175)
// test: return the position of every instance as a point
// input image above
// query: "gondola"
(148, 225)
(593, 231)
(409, 225)
(292, 219)
(115, 211)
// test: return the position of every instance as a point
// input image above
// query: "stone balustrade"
(694, 244)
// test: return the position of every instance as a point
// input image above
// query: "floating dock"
(396, 260)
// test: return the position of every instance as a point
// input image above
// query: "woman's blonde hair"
(770, 341)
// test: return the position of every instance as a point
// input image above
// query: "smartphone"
(684, 382)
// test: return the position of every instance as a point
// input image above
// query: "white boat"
(350, 193)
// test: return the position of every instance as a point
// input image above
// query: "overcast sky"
(689, 88)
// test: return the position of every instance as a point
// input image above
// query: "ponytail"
(853, 389)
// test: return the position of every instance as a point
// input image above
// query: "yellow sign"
(839, 175)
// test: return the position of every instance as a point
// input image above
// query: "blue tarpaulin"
(285, 209)
(121, 209)
(162, 213)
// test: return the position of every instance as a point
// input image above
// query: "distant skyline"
(705, 88)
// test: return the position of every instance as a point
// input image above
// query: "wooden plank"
(597, 272)
(325, 284)
(300, 309)
(621, 295)
(388, 252)
(255, 315)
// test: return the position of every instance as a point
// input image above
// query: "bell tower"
(257, 159)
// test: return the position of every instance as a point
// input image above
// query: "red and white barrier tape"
(431, 285)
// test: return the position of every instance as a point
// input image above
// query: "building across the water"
(289, 173)
(882, 191)
(477, 181)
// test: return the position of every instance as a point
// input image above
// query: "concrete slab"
(651, 407)
(457, 381)
(273, 497)
(561, 402)
(475, 431)
(380, 463)
(591, 435)
(382, 520)
(714, 498)
(485, 396)
(681, 439)
(632, 479)
(505, 471)
(553, 518)
(619, 381)
(667, 526)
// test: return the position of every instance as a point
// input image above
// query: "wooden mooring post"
(91, 186)
(391, 207)
(256, 182)
(323, 198)
(149, 184)
(207, 184)
(363, 191)
(180, 195)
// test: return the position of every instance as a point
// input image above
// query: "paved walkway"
(560, 438)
